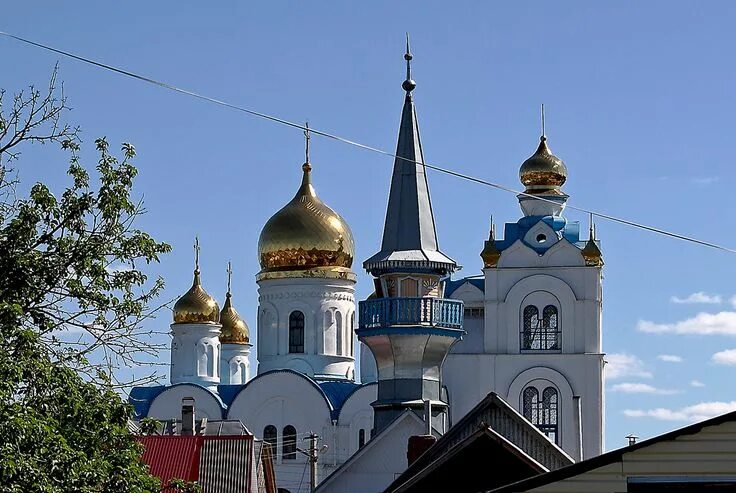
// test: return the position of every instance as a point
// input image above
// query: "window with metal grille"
(540, 334)
(270, 437)
(296, 332)
(542, 413)
(288, 449)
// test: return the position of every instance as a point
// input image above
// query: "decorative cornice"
(296, 295)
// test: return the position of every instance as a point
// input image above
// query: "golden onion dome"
(591, 253)
(490, 253)
(306, 235)
(234, 329)
(543, 172)
(196, 306)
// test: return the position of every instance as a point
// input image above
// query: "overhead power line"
(344, 140)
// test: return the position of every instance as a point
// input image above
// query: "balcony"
(429, 312)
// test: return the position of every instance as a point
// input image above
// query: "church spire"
(409, 235)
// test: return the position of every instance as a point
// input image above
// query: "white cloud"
(726, 357)
(705, 180)
(694, 413)
(696, 383)
(699, 297)
(721, 323)
(670, 358)
(621, 365)
(733, 300)
(641, 388)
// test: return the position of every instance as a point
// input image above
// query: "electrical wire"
(344, 140)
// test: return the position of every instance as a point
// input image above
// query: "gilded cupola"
(490, 254)
(306, 238)
(196, 306)
(591, 253)
(234, 329)
(543, 172)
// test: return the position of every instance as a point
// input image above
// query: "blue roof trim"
(410, 330)
(142, 397)
(347, 398)
(337, 392)
(228, 392)
(514, 232)
(452, 285)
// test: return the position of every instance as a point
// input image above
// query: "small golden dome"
(234, 329)
(196, 306)
(305, 235)
(592, 254)
(543, 172)
(490, 254)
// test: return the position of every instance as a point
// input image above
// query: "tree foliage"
(73, 299)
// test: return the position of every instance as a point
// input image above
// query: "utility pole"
(312, 461)
(312, 456)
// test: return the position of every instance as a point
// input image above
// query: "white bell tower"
(538, 337)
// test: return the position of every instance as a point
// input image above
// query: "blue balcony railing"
(431, 312)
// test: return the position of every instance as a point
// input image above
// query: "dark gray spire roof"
(409, 235)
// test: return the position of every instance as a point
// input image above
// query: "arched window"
(212, 372)
(339, 333)
(269, 436)
(296, 332)
(202, 359)
(352, 334)
(288, 449)
(549, 325)
(540, 334)
(542, 413)
(361, 438)
(531, 324)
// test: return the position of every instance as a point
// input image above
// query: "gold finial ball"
(305, 234)
(196, 306)
(543, 172)
(234, 329)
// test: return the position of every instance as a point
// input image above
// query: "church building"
(528, 329)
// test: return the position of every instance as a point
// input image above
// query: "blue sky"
(640, 105)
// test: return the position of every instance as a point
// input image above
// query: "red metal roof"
(172, 457)
(223, 464)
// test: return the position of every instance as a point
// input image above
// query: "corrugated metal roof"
(172, 457)
(226, 465)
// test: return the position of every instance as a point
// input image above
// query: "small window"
(474, 312)
(540, 334)
(296, 332)
(269, 436)
(288, 450)
(361, 438)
